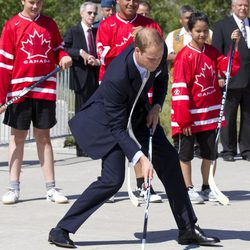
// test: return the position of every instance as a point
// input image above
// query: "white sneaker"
(208, 195)
(54, 195)
(11, 197)
(194, 196)
(154, 197)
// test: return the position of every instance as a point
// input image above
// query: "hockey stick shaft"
(224, 94)
(28, 89)
(144, 235)
(135, 201)
(218, 194)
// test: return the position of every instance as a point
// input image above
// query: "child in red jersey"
(30, 47)
(196, 99)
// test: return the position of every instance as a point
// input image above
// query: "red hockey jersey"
(196, 95)
(115, 34)
(29, 50)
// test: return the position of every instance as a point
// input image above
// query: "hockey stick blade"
(135, 201)
(221, 198)
(24, 91)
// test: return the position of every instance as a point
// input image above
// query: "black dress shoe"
(60, 238)
(228, 158)
(81, 154)
(246, 157)
(196, 236)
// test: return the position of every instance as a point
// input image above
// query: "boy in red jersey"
(196, 99)
(30, 47)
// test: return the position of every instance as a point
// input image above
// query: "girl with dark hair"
(196, 99)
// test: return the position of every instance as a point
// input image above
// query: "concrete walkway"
(25, 225)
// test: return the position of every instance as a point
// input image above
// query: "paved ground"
(25, 225)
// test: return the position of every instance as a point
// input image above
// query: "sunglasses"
(92, 13)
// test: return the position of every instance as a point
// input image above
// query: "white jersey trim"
(204, 110)
(124, 21)
(6, 54)
(26, 18)
(31, 79)
(6, 66)
(39, 90)
(179, 85)
(200, 123)
(180, 97)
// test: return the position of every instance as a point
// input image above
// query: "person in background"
(196, 101)
(108, 8)
(144, 8)
(79, 42)
(114, 35)
(180, 37)
(238, 93)
(105, 115)
(30, 47)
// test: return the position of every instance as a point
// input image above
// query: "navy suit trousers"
(166, 165)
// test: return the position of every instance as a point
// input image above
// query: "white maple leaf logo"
(36, 46)
(124, 40)
(206, 78)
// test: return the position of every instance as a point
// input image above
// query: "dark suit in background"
(238, 94)
(100, 129)
(83, 78)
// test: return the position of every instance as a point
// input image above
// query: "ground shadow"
(238, 195)
(121, 196)
(169, 235)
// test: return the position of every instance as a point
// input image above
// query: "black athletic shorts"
(185, 145)
(42, 113)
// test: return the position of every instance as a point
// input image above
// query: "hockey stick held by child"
(24, 91)
(218, 194)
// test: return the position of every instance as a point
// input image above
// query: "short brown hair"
(148, 37)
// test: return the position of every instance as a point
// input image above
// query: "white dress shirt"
(170, 39)
(85, 30)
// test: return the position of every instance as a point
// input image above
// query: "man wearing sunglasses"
(80, 44)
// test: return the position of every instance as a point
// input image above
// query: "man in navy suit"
(101, 130)
(80, 45)
(238, 94)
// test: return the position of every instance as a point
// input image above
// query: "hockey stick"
(144, 236)
(217, 193)
(28, 89)
(135, 201)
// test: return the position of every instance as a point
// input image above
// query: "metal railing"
(65, 110)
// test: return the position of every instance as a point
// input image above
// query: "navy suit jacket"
(74, 40)
(101, 124)
(221, 39)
